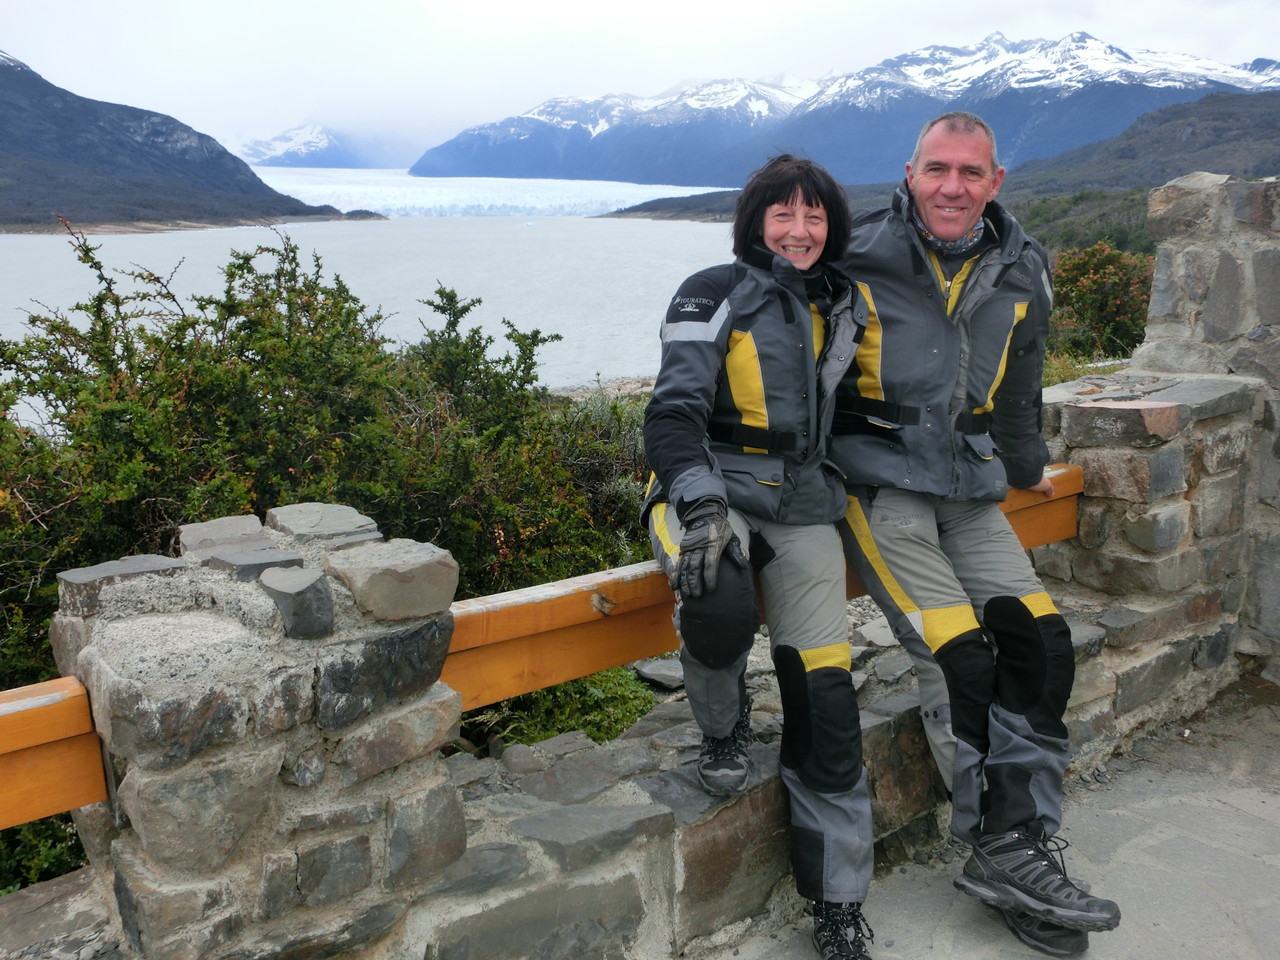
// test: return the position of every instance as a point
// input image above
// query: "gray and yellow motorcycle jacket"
(740, 409)
(944, 395)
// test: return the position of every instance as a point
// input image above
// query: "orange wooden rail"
(50, 758)
(503, 645)
(1038, 519)
(525, 640)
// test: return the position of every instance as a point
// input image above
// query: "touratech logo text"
(692, 305)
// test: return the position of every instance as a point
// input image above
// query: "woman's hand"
(706, 534)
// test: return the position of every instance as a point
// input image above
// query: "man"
(939, 415)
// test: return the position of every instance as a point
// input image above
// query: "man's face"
(952, 181)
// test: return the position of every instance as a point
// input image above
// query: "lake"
(601, 284)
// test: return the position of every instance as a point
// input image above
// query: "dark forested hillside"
(94, 162)
(1082, 218)
(1232, 133)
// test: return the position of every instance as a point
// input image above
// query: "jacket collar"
(1005, 228)
(762, 258)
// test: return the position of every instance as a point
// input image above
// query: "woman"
(736, 436)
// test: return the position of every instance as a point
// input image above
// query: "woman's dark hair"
(780, 179)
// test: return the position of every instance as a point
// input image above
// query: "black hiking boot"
(1018, 871)
(1042, 935)
(722, 761)
(841, 932)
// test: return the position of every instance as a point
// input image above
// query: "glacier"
(393, 193)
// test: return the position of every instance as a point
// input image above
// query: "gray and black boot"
(1023, 872)
(1051, 938)
(722, 761)
(841, 932)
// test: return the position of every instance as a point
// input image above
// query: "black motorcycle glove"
(706, 535)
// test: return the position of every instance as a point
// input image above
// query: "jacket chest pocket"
(980, 445)
(753, 481)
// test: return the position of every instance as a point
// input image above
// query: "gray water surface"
(602, 284)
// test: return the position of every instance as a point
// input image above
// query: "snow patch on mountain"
(1062, 66)
(753, 101)
(297, 141)
(8, 61)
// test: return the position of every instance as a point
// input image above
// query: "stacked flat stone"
(270, 705)
(270, 708)
(1178, 555)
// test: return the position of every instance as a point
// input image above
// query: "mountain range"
(93, 162)
(1042, 97)
(313, 145)
(1094, 191)
(1237, 134)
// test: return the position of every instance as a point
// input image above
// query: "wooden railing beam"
(524, 640)
(50, 757)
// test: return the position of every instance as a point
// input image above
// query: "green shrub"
(37, 851)
(1101, 296)
(602, 706)
(280, 389)
(491, 394)
(272, 392)
(601, 442)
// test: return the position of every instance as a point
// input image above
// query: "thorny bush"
(137, 412)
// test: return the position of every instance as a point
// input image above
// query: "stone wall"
(1176, 559)
(1215, 310)
(269, 706)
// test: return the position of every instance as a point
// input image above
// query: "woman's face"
(796, 231)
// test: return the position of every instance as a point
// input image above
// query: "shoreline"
(170, 226)
(616, 387)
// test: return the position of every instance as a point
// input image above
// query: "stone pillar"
(1179, 535)
(1215, 308)
(1161, 561)
(272, 718)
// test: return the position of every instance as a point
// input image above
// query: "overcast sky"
(241, 69)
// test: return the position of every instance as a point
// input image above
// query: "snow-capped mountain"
(621, 137)
(1041, 97)
(1056, 67)
(307, 140)
(311, 145)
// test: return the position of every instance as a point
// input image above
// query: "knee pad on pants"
(968, 664)
(821, 731)
(719, 626)
(1035, 662)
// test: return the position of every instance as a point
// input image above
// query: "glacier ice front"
(393, 193)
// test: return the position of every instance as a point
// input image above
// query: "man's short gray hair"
(959, 121)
